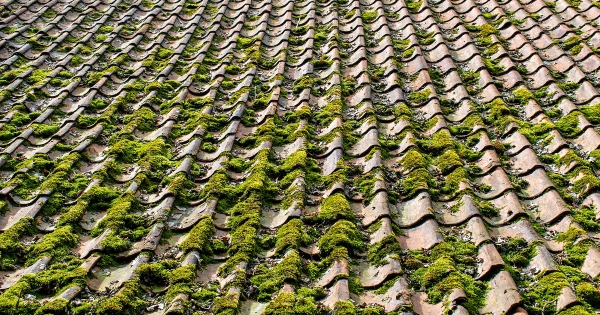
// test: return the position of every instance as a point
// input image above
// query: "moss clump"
(335, 207)
(96, 199)
(419, 97)
(452, 182)
(369, 16)
(119, 216)
(289, 303)
(542, 296)
(493, 66)
(591, 113)
(576, 310)
(446, 271)
(415, 181)
(448, 161)
(438, 142)
(569, 125)
(487, 209)
(56, 245)
(573, 45)
(576, 246)
(126, 301)
(244, 222)
(332, 110)
(388, 246)
(154, 273)
(322, 63)
(414, 5)
(517, 252)
(342, 307)
(343, 233)
(11, 249)
(523, 95)
(413, 159)
(143, 118)
(586, 181)
(589, 293)
(269, 280)
(291, 236)
(55, 306)
(12, 302)
(586, 217)
(227, 304)
(199, 237)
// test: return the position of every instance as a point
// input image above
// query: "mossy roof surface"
(299, 157)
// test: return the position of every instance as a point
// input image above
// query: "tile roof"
(299, 157)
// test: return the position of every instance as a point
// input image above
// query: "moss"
(448, 161)
(143, 118)
(55, 306)
(322, 63)
(181, 280)
(100, 38)
(226, 304)
(369, 16)
(494, 66)
(105, 29)
(270, 280)
(289, 303)
(96, 199)
(291, 236)
(12, 302)
(199, 237)
(517, 252)
(37, 76)
(576, 310)
(589, 293)
(537, 132)
(414, 5)
(335, 207)
(244, 222)
(408, 53)
(487, 209)
(419, 96)
(573, 45)
(126, 301)
(11, 249)
(119, 216)
(342, 307)
(591, 113)
(342, 233)
(388, 246)
(586, 217)
(60, 276)
(451, 184)
(57, 245)
(542, 296)
(438, 142)
(446, 271)
(586, 181)
(569, 125)
(153, 274)
(413, 159)
(415, 181)
(43, 130)
(576, 246)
